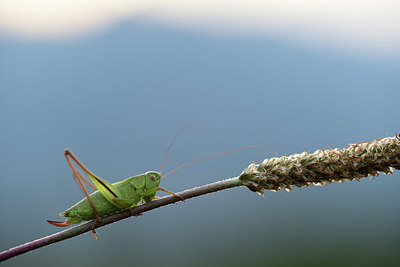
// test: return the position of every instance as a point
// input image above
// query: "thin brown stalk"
(299, 170)
(138, 210)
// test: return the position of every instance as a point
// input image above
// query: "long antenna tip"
(169, 148)
(218, 154)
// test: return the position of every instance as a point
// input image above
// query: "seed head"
(324, 166)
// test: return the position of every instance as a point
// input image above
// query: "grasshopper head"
(152, 179)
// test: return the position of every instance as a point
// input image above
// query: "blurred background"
(115, 80)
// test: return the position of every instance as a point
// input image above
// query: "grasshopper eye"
(152, 177)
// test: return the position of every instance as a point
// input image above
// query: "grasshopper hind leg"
(68, 154)
(79, 178)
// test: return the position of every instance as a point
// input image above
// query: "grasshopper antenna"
(226, 152)
(169, 147)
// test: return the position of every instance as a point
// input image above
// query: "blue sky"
(365, 26)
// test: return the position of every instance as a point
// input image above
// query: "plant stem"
(135, 211)
(299, 170)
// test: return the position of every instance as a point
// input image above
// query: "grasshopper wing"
(109, 191)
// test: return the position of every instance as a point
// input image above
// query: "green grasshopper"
(112, 198)
(109, 198)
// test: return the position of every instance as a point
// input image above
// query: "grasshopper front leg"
(169, 192)
(154, 190)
